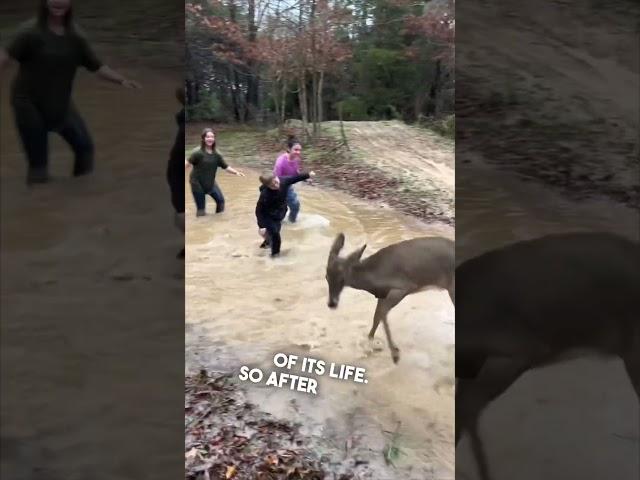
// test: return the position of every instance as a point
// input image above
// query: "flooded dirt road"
(242, 307)
(88, 274)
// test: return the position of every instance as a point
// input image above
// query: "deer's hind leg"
(382, 310)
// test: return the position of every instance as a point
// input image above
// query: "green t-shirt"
(205, 166)
(48, 64)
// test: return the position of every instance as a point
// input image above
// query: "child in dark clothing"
(272, 207)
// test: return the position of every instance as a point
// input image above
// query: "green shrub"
(207, 109)
(445, 126)
(354, 108)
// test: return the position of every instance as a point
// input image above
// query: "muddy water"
(568, 411)
(88, 274)
(246, 306)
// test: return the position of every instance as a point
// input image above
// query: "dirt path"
(568, 101)
(403, 150)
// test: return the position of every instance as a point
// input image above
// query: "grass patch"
(445, 127)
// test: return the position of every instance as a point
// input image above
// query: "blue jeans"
(215, 193)
(293, 203)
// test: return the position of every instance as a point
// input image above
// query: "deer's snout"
(333, 304)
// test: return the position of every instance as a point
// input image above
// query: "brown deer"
(391, 274)
(538, 302)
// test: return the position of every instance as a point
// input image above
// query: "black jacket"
(272, 204)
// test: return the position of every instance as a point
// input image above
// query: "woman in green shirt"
(205, 161)
(49, 51)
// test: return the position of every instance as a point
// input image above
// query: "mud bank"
(552, 95)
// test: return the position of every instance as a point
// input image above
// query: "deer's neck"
(360, 280)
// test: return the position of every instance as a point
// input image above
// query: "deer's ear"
(357, 255)
(338, 243)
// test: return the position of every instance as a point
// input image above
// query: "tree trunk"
(235, 103)
(314, 102)
(242, 104)
(302, 96)
(253, 81)
(320, 99)
(283, 110)
(418, 104)
(276, 97)
(435, 88)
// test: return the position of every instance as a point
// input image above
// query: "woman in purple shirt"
(288, 165)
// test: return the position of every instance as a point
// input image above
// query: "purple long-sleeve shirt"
(286, 168)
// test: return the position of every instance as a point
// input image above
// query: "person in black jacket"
(175, 168)
(272, 207)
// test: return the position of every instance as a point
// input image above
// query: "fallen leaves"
(228, 438)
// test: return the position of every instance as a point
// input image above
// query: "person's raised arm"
(234, 171)
(107, 73)
(91, 62)
(286, 181)
(229, 169)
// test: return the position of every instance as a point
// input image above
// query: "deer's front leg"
(474, 395)
(376, 317)
(384, 305)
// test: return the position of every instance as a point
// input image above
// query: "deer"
(391, 274)
(536, 303)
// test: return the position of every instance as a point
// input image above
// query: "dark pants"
(34, 134)
(216, 194)
(273, 228)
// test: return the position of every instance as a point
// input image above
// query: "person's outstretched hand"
(312, 174)
(239, 173)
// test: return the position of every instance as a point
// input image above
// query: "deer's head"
(339, 269)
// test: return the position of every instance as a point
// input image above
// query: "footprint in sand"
(369, 347)
(443, 383)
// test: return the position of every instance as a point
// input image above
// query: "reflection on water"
(256, 306)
